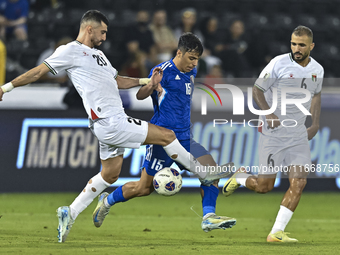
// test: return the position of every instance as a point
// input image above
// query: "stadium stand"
(270, 21)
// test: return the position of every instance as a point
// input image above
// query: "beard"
(97, 44)
(302, 58)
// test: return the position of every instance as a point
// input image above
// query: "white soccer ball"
(167, 182)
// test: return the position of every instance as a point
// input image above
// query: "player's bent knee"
(109, 178)
(262, 189)
(264, 185)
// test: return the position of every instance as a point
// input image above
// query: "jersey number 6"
(270, 161)
(303, 84)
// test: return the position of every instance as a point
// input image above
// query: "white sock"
(93, 188)
(241, 178)
(282, 219)
(178, 153)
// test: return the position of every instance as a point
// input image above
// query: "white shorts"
(280, 153)
(118, 132)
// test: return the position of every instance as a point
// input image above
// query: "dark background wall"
(43, 151)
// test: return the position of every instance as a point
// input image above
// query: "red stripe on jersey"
(259, 129)
(93, 115)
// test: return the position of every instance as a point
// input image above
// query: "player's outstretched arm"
(154, 84)
(125, 82)
(147, 90)
(260, 100)
(30, 76)
(315, 110)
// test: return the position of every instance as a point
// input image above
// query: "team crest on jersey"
(266, 76)
(314, 77)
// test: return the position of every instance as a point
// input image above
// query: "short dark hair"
(189, 42)
(303, 30)
(94, 15)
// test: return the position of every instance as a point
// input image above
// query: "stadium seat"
(257, 21)
(274, 20)
(277, 48)
(28, 59)
(307, 20)
(16, 48)
(227, 18)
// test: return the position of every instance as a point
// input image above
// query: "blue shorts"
(156, 157)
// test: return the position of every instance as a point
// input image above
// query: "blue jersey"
(14, 10)
(172, 108)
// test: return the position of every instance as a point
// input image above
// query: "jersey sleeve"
(320, 81)
(267, 76)
(61, 59)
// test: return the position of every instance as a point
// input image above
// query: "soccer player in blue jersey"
(171, 100)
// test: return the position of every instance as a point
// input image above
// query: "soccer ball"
(167, 182)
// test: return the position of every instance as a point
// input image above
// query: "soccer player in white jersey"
(97, 82)
(281, 144)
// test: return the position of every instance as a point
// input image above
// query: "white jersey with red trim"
(284, 73)
(92, 75)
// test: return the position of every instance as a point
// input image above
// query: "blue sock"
(116, 196)
(209, 199)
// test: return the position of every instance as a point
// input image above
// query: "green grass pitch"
(167, 225)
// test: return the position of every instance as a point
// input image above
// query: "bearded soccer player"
(97, 82)
(285, 146)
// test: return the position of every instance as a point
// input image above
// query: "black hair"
(303, 30)
(189, 42)
(94, 15)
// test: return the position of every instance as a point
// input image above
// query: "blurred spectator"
(42, 4)
(188, 24)
(2, 62)
(215, 76)
(213, 38)
(135, 64)
(140, 38)
(13, 18)
(60, 77)
(163, 35)
(234, 51)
